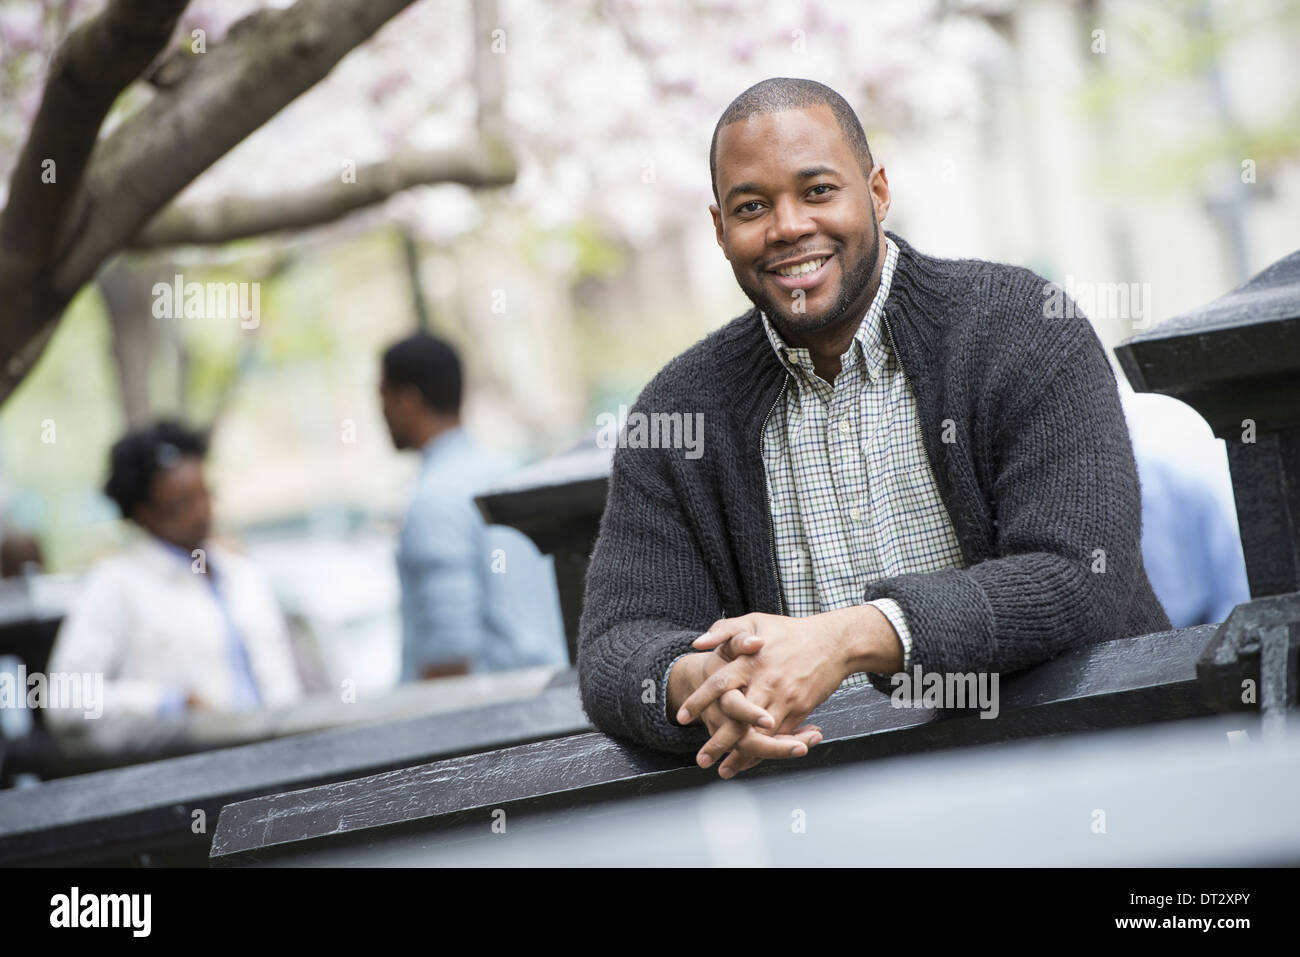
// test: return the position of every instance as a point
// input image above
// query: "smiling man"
(905, 465)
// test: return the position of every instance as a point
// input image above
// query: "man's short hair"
(780, 93)
(429, 364)
(137, 456)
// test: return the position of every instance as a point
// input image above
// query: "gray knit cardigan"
(1021, 421)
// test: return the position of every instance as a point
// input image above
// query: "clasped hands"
(755, 680)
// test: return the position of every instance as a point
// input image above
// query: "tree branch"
(97, 61)
(487, 164)
(231, 91)
(234, 89)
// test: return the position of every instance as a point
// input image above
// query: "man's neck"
(430, 429)
(828, 344)
(826, 353)
(176, 548)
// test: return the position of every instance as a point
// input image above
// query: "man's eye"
(822, 186)
(741, 207)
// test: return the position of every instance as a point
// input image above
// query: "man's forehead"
(791, 138)
(170, 482)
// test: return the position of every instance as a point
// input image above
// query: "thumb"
(745, 644)
(731, 637)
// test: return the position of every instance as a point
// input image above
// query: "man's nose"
(789, 222)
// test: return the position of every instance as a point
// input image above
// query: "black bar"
(1129, 681)
(144, 814)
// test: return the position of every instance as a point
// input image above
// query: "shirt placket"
(784, 532)
(809, 466)
(843, 428)
(805, 414)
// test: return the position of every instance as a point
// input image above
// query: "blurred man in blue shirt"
(474, 597)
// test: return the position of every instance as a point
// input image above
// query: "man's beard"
(855, 280)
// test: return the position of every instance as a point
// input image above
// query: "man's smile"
(804, 272)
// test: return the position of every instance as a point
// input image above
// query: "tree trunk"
(128, 300)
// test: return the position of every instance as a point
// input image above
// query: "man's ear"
(410, 397)
(880, 195)
(717, 226)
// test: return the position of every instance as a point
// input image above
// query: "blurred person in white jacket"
(175, 622)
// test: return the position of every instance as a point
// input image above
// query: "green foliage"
(591, 251)
(1167, 53)
(51, 487)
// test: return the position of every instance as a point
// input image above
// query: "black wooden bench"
(1131, 681)
(164, 812)
(1182, 793)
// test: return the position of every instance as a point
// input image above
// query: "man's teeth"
(800, 269)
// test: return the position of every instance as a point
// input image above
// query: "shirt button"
(855, 514)
(845, 427)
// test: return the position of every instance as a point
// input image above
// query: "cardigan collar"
(753, 375)
(869, 344)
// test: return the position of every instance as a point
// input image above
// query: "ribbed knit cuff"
(656, 657)
(664, 686)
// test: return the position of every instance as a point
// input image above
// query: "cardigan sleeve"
(1068, 522)
(648, 595)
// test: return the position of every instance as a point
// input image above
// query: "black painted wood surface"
(1236, 361)
(1144, 796)
(1150, 678)
(145, 813)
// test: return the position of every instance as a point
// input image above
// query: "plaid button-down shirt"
(852, 495)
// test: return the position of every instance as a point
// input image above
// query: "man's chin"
(803, 321)
(781, 308)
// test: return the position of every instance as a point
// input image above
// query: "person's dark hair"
(780, 93)
(137, 457)
(429, 364)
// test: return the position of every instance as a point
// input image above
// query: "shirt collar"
(443, 444)
(180, 554)
(869, 338)
(174, 559)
